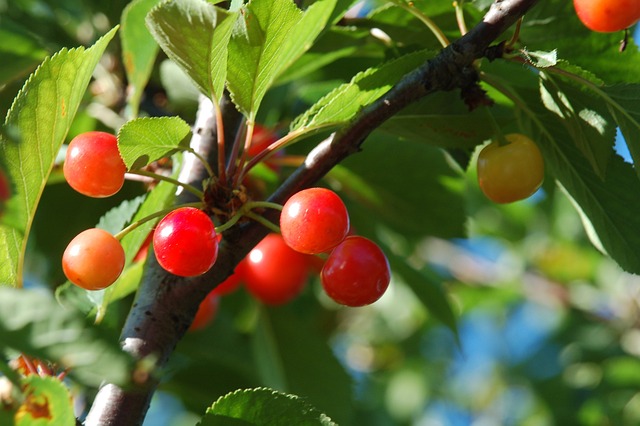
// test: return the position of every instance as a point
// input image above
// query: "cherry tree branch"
(165, 304)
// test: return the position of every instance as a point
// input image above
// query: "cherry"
(185, 242)
(356, 273)
(232, 283)
(206, 312)
(510, 172)
(93, 165)
(144, 248)
(274, 273)
(314, 220)
(93, 260)
(607, 15)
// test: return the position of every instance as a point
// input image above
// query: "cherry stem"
(222, 175)
(243, 157)
(499, 136)
(462, 25)
(264, 221)
(444, 41)
(29, 364)
(169, 179)
(245, 210)
(152, 216)
(203, 160)
(514, 38)
(270, 150)
(232, 164)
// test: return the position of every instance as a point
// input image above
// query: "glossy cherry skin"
(206, 312)
(314, 221)
(93, 165)
(357, 272)
(607, 16)
(510, 172)
(93, 260)
(274, 273)
(185, 242)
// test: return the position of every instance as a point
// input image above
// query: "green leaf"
(268, 38)
(139, 49)
(344, 102)
(262, 407)
(34, 131)
(195, 34)
(586, 118)
(414, 191)
(443, 120)
(625, 108)
(19, 51)
(144, 140)
(32, 322)
(554, 25)
(285, 345)
(608, 206)
(47, 402)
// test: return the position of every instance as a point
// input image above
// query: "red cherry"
(93, 260)
(607, 16)
(356, 273)
(275, 273)
(206, 312)
(93, 165)
(314, 221)
(231, 284)
(185, 242)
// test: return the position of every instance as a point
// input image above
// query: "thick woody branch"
(165, 305)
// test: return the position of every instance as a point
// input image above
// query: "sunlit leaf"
(270, 35)
(343, 103)
(34, 131)
(262, 406)
(195, 34)
(144, 140)
(47, 401)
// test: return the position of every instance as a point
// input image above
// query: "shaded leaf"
(586, 118)
(262, 406)
(608, 206)
(284, 348)
(32, 322)
(19, 51)
(50, 98)
(415, 191)
(625, 108)
(195, 34)
(344, 102)
(139, 49)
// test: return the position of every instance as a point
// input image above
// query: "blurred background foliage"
(547, 327)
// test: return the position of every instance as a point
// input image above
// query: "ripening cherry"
(314, 221)
(273, 272)
(206, 312)
(93, 260)
(607, 16)
(185, 242)
(510, 172)
(356, 273)
(93, 165)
